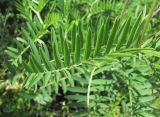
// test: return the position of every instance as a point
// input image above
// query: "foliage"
(80, 56)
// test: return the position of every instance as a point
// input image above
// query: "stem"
(130, 96)
(125, 6)
(89, 86)
(148, 20)
(156, 11)
(38, 15)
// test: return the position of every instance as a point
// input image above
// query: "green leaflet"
(123, 36)
(31, 30)
(101, 82)
(99, 88)
(152, 53)
(82, 113)
(56, 81)
(144, 114)
(76, 97)
(56, 86)
(134, 49)
(45, 48)
(34, 50)
(41, 5)
(11, 53)
(35, 79)
(64, 86)
(112, 35)
(26, 34)
(146, 99)
(56, 56)
(74, 36)
(47, 78)
(101, 105)
(38, 23)
(66, 54)
(37, 64)
(99, 25)
(28, 80)
(87, 50)
(81, 32)
(12, 49)
(106, 31)
(20, 46)
(99, 40)
(46, 94)
(144, 92)
(28, 68)
(133, 30)
(62, 37)
(77, 50)
(69, 77)
(10, 67)
(45, 60)
(34, 27)
(102, 69)
(82, 81)
(52, 18)
(55, 49)
(119, 31)
(33, 66)
(77, 89)
(121, 55)
(22, 40)
(138, 34)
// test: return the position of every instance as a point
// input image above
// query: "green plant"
(98, 63)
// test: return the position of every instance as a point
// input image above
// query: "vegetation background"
(129, 87)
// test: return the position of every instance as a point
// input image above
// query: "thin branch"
(149, 17)
(156, 11)
(125, 7)
(89, 86)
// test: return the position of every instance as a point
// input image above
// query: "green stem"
(125, 6)
(38, 15)
(130, 96)
(149, 17)
(89, 86)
